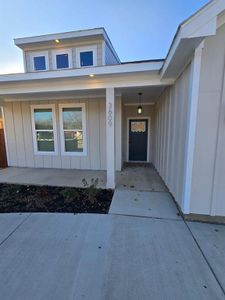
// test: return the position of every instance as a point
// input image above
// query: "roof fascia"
(61, 36)
(102, 70)
(203, 23)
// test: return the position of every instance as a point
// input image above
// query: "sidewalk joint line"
(205, 258)
(14, 230)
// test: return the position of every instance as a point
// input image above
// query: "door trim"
(5, 136)
(148, 136)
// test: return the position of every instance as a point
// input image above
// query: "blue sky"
(138, 29)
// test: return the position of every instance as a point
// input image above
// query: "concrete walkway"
(107, 257)
(144, 204)
(141, 178)
(51, 177)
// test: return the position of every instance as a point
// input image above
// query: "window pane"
(73, 141)
(39, 63)
(86, 58)
(72, 118)
(43, 118)
(62, 61)
(45, 141)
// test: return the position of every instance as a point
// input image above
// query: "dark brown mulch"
(29, 198)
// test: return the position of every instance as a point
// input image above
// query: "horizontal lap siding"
(110, 58)
(20, 140)
(170, 134)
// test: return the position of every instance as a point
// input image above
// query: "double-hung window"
(39, 61)
(86, 56)
(62, 59)
(44, 129)
(73, 129)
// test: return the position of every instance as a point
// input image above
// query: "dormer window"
(86, 56)
(62, 59)
(39, 61)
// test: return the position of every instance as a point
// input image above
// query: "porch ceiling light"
(91, 75)
(57, 41)
(139, 109)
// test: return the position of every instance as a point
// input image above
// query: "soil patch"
(30, 198)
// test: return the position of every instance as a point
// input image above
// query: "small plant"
(69, 194)
(91, 188)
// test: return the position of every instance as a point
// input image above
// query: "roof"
(189, 35)
(142, 61)
(151, 66)
(66, 36)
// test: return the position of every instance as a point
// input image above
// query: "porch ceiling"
(149, 94)
(129, 95)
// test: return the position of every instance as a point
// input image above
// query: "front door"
(3, 157)
(138, 139)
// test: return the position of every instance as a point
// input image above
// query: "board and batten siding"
(171, 117)
(20, 139)
(208, 179)
(73, 46)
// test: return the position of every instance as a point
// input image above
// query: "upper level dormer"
(69, 50)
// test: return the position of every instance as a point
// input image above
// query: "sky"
(138, 29)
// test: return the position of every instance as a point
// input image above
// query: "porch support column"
(110, 137)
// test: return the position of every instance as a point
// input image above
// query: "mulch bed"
(29, 198)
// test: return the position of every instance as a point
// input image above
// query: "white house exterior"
(76, 106)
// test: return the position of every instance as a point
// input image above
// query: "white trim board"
(84, 130)
(148, 143)
(43, 106)
(5, 135)
(58, 52)
(191, 128)
(79, 50)
(38, 54)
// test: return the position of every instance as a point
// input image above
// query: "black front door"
(138, 139)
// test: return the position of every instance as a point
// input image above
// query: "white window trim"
(84, 49)
(61, 51)
(38, 54)
(71, 105)
(36, 151)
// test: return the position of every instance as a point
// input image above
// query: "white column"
(191, 128)
(110, 137)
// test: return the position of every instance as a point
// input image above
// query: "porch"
(136, 177)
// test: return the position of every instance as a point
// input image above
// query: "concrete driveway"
(65, 256)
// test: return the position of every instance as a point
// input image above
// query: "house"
(78, 106)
